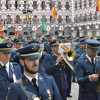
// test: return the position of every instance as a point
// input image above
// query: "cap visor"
(33, 56)
(9, 51)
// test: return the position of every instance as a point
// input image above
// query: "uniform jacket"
(47, 48)
(6, 80)
(57, 71)
(84, 68)
(80, 53)
(45, 83)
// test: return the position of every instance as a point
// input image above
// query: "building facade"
(74, 17)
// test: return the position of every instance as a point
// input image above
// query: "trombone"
(70, 56)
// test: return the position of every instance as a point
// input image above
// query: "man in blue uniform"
(47, 48)
(80, 52)
(55, 66)
(9, 72)
(85, 72)
(41, 68)
(32, 85)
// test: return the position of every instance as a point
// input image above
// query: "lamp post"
(27, 11)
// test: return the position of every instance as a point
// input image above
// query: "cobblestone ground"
(74, 92)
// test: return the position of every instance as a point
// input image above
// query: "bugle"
(67, 63)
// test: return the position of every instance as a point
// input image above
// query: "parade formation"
(48, 48)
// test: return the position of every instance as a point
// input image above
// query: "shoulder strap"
(27, 93)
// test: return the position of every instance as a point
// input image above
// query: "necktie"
(35, 85)
(92, 60)
(5, 69)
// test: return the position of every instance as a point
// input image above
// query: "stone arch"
(10, 29)
(56, 29)
(67, 30)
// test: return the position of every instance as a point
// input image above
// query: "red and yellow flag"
(15, 28)
(27, 17)
(53, 12)
(0, 28)
(98, 5)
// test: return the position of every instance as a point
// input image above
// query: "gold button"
(82, 89)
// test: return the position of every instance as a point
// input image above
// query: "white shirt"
(90, 59)
(30, 78)
(7, 67)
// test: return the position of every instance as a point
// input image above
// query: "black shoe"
(69, 95)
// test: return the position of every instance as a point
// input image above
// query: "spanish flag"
(15, 28)
(53, 12)
(98, 5)
(0, 28)
(27, 17)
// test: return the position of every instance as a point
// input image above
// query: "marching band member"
(33, 85)
(9, 71)
(55, 66)
(85, 69)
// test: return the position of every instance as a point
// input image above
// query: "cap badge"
(26, 80)
(8, 45)
(34, 48)
(57, 41)
(86, 61)
(40, 78)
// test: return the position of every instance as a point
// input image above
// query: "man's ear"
(22, 62)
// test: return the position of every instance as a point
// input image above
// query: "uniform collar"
(7, 65)
(30, 78)
(90, 58)
(54, 53)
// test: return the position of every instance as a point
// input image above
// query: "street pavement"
(74, 91)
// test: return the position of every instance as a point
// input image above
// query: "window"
(18, 19)
(76, 5)
(84, 3)
(35, 19)
(35, 4)
(59, 5)
(59, 19)
(67, 6)
(7, 4)
(8, 19)
(67, 19)
(90, 3)
(80, 4)
(43, 5)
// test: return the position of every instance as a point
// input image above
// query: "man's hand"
(94, 77)
(59, 58)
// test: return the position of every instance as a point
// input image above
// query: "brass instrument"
(3, 39)
(67, 63)
(70, 54)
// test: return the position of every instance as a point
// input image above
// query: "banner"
(43, 25)
(53, 12)
(0, 28)
(15, 28)
(98, 5)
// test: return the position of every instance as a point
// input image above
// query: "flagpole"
(72, 11)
